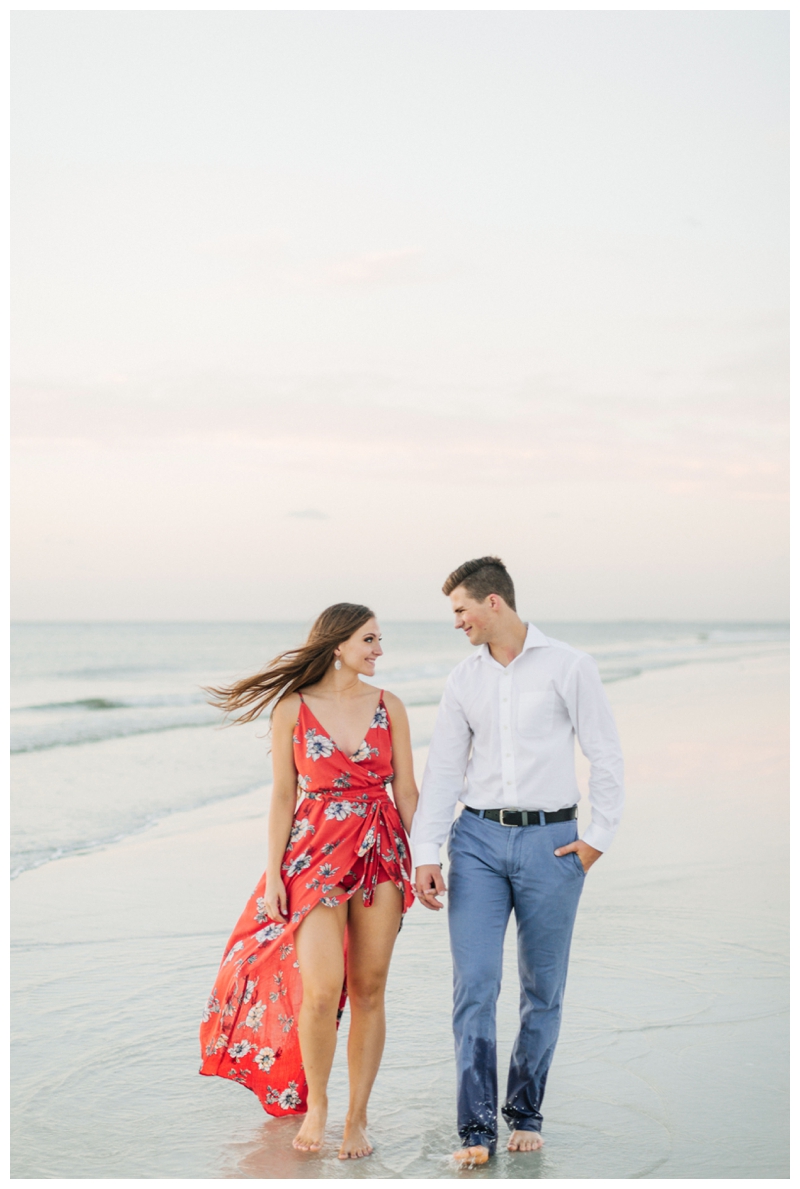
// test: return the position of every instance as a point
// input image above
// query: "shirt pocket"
(535, 713)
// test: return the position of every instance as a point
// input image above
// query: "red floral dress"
(346, 833)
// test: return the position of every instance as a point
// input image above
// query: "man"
(504, 745)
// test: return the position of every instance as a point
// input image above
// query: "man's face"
(475, 619)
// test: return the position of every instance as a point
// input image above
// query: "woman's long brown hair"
(292, 670)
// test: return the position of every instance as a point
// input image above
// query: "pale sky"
(314, 306)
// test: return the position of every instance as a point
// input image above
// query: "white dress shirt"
(505, 739)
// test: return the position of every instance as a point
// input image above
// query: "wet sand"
(673, 1053)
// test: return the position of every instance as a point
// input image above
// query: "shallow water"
(672, 1058)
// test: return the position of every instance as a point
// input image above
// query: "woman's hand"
(275, 901)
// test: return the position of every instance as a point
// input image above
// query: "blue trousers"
(495, 868)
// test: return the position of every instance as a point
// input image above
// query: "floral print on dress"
(346, 835)
(318, 746)
(255, 1015)
(365, 752)
(265, 1059)
(233, 950)
(337, 811)
(298, 863)
(211, 1006)
(380, 720)
(268, 934)
(299, 830)
(368, 841)
(287, 1100)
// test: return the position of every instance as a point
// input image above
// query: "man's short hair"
(481, 577)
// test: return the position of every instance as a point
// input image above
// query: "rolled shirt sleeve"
(443, 779)
(593, 720)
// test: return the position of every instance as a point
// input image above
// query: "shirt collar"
(534, 638)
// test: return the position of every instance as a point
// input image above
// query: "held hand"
(275, 901)
(587, 854)
(429, 884)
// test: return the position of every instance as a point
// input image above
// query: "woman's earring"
(337, 664)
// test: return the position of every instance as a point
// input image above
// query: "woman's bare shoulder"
(393, 704)
(286, 711)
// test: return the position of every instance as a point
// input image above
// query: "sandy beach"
(673, 1058)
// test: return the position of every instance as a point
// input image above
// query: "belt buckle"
(502, 821)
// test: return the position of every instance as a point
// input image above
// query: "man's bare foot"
(525, 1141)
(354, 1142)
(470, 1157)
(310, 1136)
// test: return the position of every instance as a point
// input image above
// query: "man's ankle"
(480, 1141)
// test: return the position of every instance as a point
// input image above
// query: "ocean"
(111, 730)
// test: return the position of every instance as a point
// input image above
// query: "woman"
(322, 923)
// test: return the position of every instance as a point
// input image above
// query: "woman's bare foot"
(525, 1141)
(470, 1157)
(355, 1143)
(310, 1136)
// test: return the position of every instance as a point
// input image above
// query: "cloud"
(259, 261)
(722, 428)
(371, 268)
(681, 451)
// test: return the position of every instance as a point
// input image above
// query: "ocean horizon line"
(643, 620)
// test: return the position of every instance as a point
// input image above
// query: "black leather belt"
(525, 817)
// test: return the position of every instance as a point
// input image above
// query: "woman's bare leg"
(371, 936)
(319, 942)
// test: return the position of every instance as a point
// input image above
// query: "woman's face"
(362, 649)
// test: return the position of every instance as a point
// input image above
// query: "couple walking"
(321, 924)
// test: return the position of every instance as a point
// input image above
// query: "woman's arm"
(404, 786)
(282, 805)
